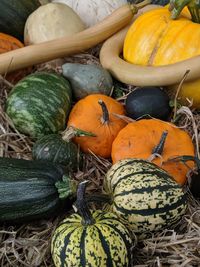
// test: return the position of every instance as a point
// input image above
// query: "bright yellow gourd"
(154, 39)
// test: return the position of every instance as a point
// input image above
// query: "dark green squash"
(91, 238)
(56, 149)
(39, 104)
(148, 101)
(31, 190)
(14, 14)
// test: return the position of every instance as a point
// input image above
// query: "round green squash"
(54, 148)
(144, 196)
(14, 14)
(91, 238)
(39, 104)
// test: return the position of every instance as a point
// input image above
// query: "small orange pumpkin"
(96, 113)
(143, 138)
(8, 43)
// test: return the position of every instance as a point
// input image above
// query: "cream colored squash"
(93, 11)
(51, 21)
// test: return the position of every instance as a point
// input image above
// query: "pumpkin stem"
(159, 148)
(135, 7)
(105, 117)
(66, 188)
(72, 132)
(81, 205)
(176, 6)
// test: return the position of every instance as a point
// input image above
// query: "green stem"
(72, 132)
(176, 6)
(105, 116)
(187, 158)
(82, 206)
(67, 187)
(159, 148)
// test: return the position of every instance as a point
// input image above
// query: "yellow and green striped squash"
(144, 196)
(105, 243)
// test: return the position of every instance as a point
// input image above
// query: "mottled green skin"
(87, 79)
(14, 14)
(144, 196)
(39, 104)
(106, 243)
(53, 148)
(28, 190)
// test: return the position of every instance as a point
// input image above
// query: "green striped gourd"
(144, 196)
(39, 104)
(91, 239)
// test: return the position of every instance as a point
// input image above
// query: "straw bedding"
(29, 244)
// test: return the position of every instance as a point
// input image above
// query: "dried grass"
(29, 244)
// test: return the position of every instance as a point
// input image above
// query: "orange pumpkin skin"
(138, 139)
(87, 115)
(8, 43)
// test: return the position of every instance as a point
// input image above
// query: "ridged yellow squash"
(155, 39)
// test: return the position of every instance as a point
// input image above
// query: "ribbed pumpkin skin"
(13, 15)
(104, 244)
(39, 104)
(144, 196)
(155, 39)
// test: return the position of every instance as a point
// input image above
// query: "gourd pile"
(96, 155)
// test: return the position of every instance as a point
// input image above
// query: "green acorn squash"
(91, 238)
(59, 148)
(14, 14)
(31, 190)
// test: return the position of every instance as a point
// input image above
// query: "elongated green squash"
(31, 190)
(39, 104)
(144, 196)
(14, 14)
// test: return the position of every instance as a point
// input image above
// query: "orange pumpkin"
(96, 113)
(8, 43)
(140, 140)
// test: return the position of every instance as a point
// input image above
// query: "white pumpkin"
(51, 21)
(93, 11)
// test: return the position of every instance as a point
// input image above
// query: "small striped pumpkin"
(144, 196)
(91, 239)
